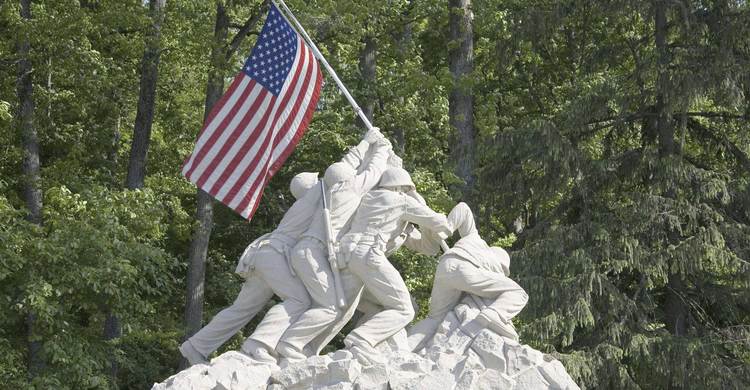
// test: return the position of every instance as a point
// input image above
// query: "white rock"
(336, 386)
(451, 360)
(343, 371)
(373, 377)
(471, 362)
(234, 370)
(429, 381)
(409, 362)
(488, 346)
(300, 375)
(554, 372)
(484, 380)
(531, 378)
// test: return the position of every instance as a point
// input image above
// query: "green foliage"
(618, 240)
(613, 234)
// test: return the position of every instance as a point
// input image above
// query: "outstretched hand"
(373, 135)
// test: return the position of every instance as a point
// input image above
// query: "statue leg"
(251, 299)
(310, 262)
(443, 299)
(353, 291)
(275, 271)
(385, 285)
(509, 297)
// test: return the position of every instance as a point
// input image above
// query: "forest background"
(604, 143)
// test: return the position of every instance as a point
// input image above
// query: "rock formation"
(450, 360)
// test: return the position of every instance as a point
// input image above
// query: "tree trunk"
(221, 54)
(664, 124)
(461, 101)
(144, 118)
(146, 100)
(32, 192)
(403, 40)
(367, 67)
(204, 211)
(675, 308)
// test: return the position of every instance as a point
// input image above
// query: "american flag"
(254, 127)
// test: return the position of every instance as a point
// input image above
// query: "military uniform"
(472, 267)
(310, 255)
(383, 216)
(265, 266)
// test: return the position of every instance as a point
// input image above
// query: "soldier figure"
(383, 217)
(475, 268)
(345, 182)
(265, 266)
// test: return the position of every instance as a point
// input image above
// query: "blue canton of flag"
(271, 59)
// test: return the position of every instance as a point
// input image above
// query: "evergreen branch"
(706, 132)
(245, 30)
(724, 115)
(615, 119)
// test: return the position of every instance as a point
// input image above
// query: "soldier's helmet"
(397, 177)
(338, 172)
(302, 182)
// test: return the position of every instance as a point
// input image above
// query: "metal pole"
(322, 59)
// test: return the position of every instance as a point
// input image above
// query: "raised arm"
(370, 176)
(356, 155)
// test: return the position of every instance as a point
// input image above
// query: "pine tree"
(632, 182)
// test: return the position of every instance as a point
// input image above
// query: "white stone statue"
(381, 218)
(467, 341)
(472, 267)
(345, 182)
(265, 267)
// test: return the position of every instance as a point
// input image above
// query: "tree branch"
(245, 30)
(724, 115)
(722, 140)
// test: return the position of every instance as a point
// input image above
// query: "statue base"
(450, 360)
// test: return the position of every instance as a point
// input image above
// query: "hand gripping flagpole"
(322, 59)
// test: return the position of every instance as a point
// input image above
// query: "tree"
(368, 69)
(221, 53)
(31, 165)
(146, 99)
(632, 237)
(610, 154)
(461, 99)
(141, 134)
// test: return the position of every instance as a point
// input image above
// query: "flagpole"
(322, 59)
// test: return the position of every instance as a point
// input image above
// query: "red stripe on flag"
(294, 141)
(302, 126)
(234, 137)
(214, 111)
(266, 175)
(253, 189)
(246, 146)
(208, 144)
(235, 189)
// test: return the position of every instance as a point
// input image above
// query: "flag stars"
(274, 54)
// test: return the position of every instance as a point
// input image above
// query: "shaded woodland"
(605, 144)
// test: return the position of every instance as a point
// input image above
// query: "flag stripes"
(252, 130)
